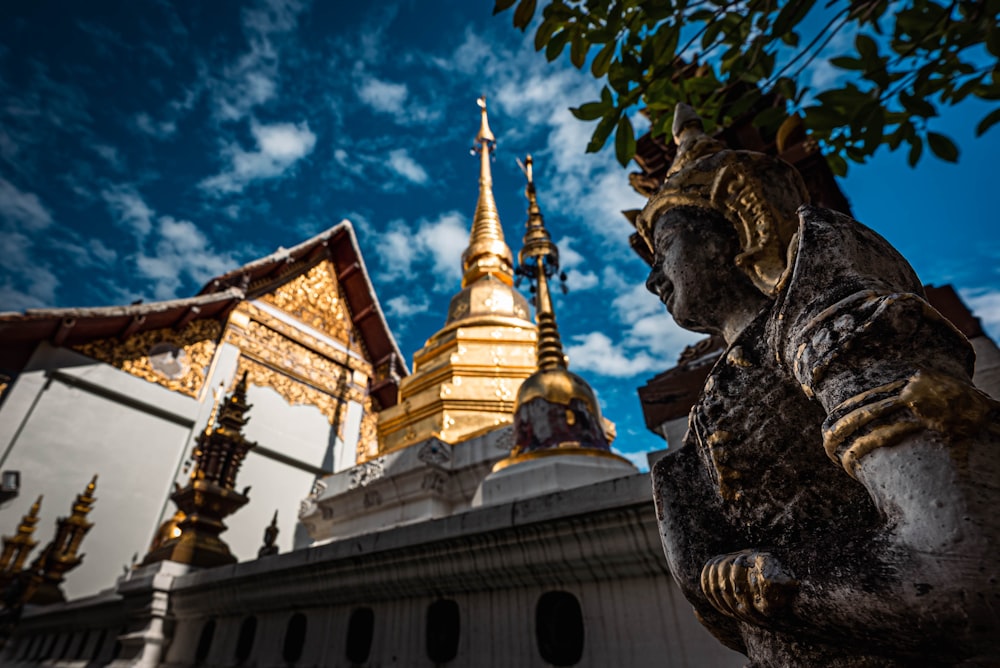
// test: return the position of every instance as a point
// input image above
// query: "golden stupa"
(466, 377)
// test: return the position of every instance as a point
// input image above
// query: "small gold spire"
(539, 260)
(488, 253)
(17, 547)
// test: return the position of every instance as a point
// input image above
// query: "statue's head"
(755, 194)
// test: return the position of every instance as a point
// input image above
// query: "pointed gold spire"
(539, 260)
(17, 547)
(488, 253)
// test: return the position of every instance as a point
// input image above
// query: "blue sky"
(146, 147)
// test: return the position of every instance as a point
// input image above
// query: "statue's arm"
(692, 531)
(905, 421)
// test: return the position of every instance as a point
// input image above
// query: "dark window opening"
(559, 628)
(244, 644)
(360, 628)
(295, 638)
(443, 628)
(205, 641)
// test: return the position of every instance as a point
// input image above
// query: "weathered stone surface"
(834, 502)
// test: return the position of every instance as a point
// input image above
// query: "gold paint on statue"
(927, 400)
(758, 194)
(188, 355)
(466, 375)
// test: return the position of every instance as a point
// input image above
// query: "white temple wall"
(633, 622)
(68, 417)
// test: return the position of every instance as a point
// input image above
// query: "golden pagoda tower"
(466, 376)
(60, 556)
(17, 547)
(556, 412)
(210, 494)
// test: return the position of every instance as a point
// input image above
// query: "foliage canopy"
(905, 61)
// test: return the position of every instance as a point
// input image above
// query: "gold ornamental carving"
(294, 360)
(315, 299)
(368, 438)
(292, 391)
(248, 312)
(178, 361)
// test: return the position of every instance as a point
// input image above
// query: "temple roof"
(21, 332)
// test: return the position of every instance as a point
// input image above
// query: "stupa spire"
(488, 253)
(539, 261)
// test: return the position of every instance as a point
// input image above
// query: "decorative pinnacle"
(488, 253)
(539, 260)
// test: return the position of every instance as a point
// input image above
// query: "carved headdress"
(755, 192)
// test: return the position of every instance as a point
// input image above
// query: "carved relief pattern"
(291, 390)
(192, 350)
(316, 300)
(304, 339)
(280, 352)
(368, 438)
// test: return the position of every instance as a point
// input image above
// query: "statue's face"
(694, 273)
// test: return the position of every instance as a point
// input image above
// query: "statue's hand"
(750, 586)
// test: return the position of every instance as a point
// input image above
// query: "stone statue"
(835, 499)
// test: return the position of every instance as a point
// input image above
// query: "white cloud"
(279, 147)
(636, 303)
(405, 166)
(252, 79)
(31, 283)
(383, 96)
(568, 256)
(22, 209)
(985, 305)
(181, 250)
(157, 129)
(438, 242)
(578, 280)
(404, 306)
(130, 209)
(638, 459)
(597, 353)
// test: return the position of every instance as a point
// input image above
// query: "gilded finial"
(485, 134)
(488, 253)
(539, 261)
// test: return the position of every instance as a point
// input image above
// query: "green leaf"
(847, 63)
(917, 106)
(916, 148)
(624, 141)
(942, 147)
(602, 60)
(601, 132)
(578, 50)
(769, 119)
(822, 118)
(837, 164)
(993, 41)
(790, 38)
(867, 49)
(524, 13)
(502, 5)
(544, 33)
(791, 15)
(556, 45)
(590, 111)
(988, 121)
